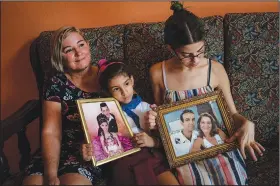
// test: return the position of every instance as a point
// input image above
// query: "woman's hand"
(144, 140)
(150, 117)
(246, 137)
(52, 180)
(87, 151)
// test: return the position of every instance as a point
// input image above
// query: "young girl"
(109, 140)
(148, 166)
(189, 74)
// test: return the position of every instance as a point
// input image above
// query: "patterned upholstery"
(144, 46)
(252, 58)
(104, 42)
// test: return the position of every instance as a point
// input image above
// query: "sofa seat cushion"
(144, 46)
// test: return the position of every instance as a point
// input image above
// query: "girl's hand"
(150, 117)
(144, 140)
(87, 151)
(246, 137)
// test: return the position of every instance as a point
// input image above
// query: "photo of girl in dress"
(110, 142)
(106, 129)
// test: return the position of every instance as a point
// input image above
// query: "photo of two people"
(195, 128)
(106, 129)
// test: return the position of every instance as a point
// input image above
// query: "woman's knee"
(167, 178)
(33, 180)
(74, 179)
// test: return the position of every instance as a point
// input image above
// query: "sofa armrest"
(16, 124)
(21, 118)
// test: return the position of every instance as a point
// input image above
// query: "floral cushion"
(252, 58)
(144, 46)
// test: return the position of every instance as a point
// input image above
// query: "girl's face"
(104, 126)
(205, 125)
(75, 52)
(121, 88)
(191, 55)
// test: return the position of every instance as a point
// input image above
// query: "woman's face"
(121, 88)
(191, 55)
(104, 126)
(75, 52)
(205, 125)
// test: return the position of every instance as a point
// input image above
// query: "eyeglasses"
(190, 55)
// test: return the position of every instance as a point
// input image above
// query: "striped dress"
(224, 169)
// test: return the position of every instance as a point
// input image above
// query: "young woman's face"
(121, 88)
(75, 52)
(191, 55)
(205, 125)
(104, 126)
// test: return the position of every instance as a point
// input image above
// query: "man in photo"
(113, 127)
(182, 141)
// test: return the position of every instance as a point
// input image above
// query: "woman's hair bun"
(176, 6)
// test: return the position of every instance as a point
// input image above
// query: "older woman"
(62, 130)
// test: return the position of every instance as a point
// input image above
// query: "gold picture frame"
(106, 128)
(183, 142)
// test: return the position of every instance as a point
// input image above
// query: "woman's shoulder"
(216, 66)
(156, 68)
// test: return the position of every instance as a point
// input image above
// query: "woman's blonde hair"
(56, 45)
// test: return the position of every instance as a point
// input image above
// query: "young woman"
(190, 74)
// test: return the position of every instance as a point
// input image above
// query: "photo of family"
(195, 128)
(106, 128)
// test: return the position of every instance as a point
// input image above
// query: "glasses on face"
(190, 56)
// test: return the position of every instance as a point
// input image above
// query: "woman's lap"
(94, 174)
(225, 169)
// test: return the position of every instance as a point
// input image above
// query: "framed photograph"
(196, 128)
(106, 128)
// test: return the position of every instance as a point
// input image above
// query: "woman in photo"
(110, 142)
(209, 135)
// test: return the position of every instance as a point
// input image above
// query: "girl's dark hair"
(101, 119)
(183, 27)
(112, 70)
(213, 121)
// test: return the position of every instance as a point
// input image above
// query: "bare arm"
(156, 80)
(196, 145)
(222, 134)
(103, 145)
(51, 137)
(224, 85)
